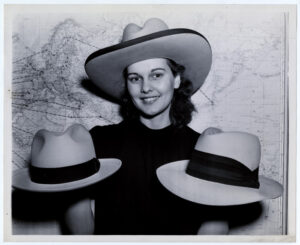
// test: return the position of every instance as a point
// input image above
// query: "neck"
(157, 122)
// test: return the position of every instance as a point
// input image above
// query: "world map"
(243, 92)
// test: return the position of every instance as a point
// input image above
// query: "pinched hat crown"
(152, 25)
(76, 142)
(240, 146)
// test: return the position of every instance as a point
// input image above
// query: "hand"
(79, 218)
(214, 227)
(211, 130)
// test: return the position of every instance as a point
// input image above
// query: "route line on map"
(23, 105)
(20, 156)
(30, 81)
(59, 115)
(23, 130)
(16, 71)
(83, 42)
(28, 76)
(19, 165)
(204, 94)
(20, 93)
(51, 102)
(29, 56)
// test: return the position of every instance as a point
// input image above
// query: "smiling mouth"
(149, 100)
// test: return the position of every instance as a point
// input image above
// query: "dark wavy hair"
(181, 104)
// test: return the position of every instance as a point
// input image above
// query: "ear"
(177, 81)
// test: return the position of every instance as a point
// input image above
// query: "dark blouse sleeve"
(107, 140)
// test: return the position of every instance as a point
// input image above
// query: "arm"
(79, 218)
(214, 227)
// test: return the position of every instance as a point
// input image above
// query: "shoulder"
(108, 134)
(188, 132)
(107, 129)
(185, 138)
(192, 131)
(192, 135)
(108, 139)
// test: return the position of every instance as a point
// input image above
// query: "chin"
(154, 110)
(149, 114)
(153, 113)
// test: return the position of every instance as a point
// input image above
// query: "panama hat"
(154, 40)
(223, 170)
(63, 161)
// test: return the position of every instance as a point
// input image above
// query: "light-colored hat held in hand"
(223, 170)
(63, 161)
(186, 47)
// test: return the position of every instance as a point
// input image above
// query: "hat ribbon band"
(222, 170)
(64, 174)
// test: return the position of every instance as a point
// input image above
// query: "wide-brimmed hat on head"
(63, 161)
(223, 170)
(154, 40)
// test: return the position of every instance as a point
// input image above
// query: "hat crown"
(152, 25)
(242, 147)
(54, 149)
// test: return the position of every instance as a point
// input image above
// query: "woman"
(153, 71)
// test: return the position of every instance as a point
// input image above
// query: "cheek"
(167, 88)
(132, 90)
(170, 95)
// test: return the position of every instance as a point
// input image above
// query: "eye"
(133, 78)
(157, 75)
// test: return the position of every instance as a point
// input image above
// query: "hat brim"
(186, 47)
(174, 178)
(21, 178)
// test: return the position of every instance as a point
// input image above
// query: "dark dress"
(133, 201)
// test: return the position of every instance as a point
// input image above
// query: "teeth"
(149, 100)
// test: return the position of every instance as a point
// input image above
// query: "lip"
(149, 99)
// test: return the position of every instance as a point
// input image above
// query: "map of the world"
(243, 92)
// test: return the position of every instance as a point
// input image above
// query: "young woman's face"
(151, 85)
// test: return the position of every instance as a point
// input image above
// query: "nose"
(146, 86)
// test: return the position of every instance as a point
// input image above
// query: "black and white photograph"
(150, 122)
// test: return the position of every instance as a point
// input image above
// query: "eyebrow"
(155, 69)
(132, 73)
(158, 69)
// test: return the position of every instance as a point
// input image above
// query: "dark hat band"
(64, 174)
(222, 170)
